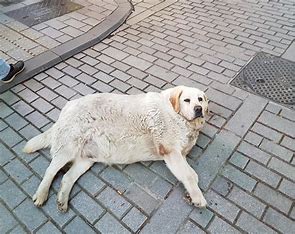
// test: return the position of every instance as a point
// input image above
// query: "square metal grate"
(269, 76)
(39, 12)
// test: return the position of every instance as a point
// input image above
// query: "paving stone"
(5, 110)
(91, 210)
(116, 178)
(10, 137)
(22, 108)
(42, 105)
(58, 217)
(3, 177)
(51, 83)
(282, 168)
(48, 228)
(273, 197)
(288, 142)
(91, 183)
(17, 170)
(6, 155)
(278, 123)
(239, 160)
(189, 227)
(262, 173)
(273, 108)
(246, 115)
(134, 219)
(217, 121)
(279, 221)
(120, 85)
(251, 225)
(214, 157)
(220, 226)
(9, 98)
(239, 178)
(7, 221)
(29, 131)
(11, 194)
(16, 121)
(142, 199)
(253, 138)
(267, 132)
(276, 150)
(33, 219)
(222, 186)
(160, 188)
(108, 224)
(33, 85)
(223, 99)
(120, 75)
(201, 216)
(161, 169)
(71, 71)
(37, 119)
(28, 95)
(115, 53)
(247, 202)
(289, 114)
(162, 73)
(253, 153)
(31, 185)
(39, 165)
(53, 72)
(65, 91)
(222, 206)
(287, 187)
(114, 202)
(18, 230)
(83, 89)
(77, 225)
(173, 212)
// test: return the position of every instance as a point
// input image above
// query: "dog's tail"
(38, 142)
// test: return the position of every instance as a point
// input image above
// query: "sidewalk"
(244, 156)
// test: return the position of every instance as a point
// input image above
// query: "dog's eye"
(187, 100)
(200, 99)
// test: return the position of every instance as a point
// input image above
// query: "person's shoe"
(14, 70)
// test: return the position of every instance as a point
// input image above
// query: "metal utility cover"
(269, 76)
(42, 11)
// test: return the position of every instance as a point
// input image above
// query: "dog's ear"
(174, 98)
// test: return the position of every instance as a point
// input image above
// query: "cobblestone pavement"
(18, 41)
(244, 156)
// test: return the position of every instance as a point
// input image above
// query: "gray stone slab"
(290, 52)
(108, 224)
(78, 225)
(11, 194)
(201, 216)
(172, 213)
(134, 219)
(246, 115)
(283, 168)
(7, 221)
(220, 226)
(208, 165)
(17, 170)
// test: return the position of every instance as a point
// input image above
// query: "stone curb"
(64, 51)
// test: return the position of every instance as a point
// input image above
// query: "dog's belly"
(126, 150)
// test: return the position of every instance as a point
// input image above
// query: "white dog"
(122, 129)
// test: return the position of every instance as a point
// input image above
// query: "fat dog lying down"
(123, 129)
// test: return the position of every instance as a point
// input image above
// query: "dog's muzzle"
(198, 112)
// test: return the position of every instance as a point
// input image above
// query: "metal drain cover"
(269, 76)
(42, 11)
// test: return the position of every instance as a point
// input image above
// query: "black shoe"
(14, 70)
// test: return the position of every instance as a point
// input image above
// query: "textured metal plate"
(269, 76)
(42, 11)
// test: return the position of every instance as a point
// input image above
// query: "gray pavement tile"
(42, 105)
(31, 185)
(51, 83)
(3, 177)
(286, 187)
(249, 224)
(22, 108)
(10, 137)
(78, 225)
(7, 221)
(189, 227)
(254, 153)
(222, 185)
(11, 194)
(215, 155)
(39, 165)
(108, 224)
(48, 228)
(134, 219)
(161, 169)
(18, 230)
(37, 119)
(220, 226)
(239, 178)
(267, 132)
(253, 138)
(18, 149)
(6, 155)
(282, 168)
(172, 212)
(17, 170)
(273, 198)
(239, 160)
(5, 110)
(279, 221)
(201, 216)
(276, 150)
(29, 131)
(16, 121)
(84, 78)
(91, 183)
(90, 70)
(263, 174)
(247, 202)
(87, 206)
(114, 202)
(47, 94)
(33, 219)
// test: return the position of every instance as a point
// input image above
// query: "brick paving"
(244, 156)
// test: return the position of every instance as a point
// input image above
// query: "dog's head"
(191, 103)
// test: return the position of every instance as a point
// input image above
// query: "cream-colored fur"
(123, 129)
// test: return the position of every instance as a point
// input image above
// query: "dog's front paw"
(39, 198)
(62, 202)
(199, 200)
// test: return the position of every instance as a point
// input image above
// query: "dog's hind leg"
(58, 161)
(79, 167)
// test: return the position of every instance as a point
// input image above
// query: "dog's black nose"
(198, 111)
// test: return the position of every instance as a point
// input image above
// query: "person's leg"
(13, 70)
(4, 69)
